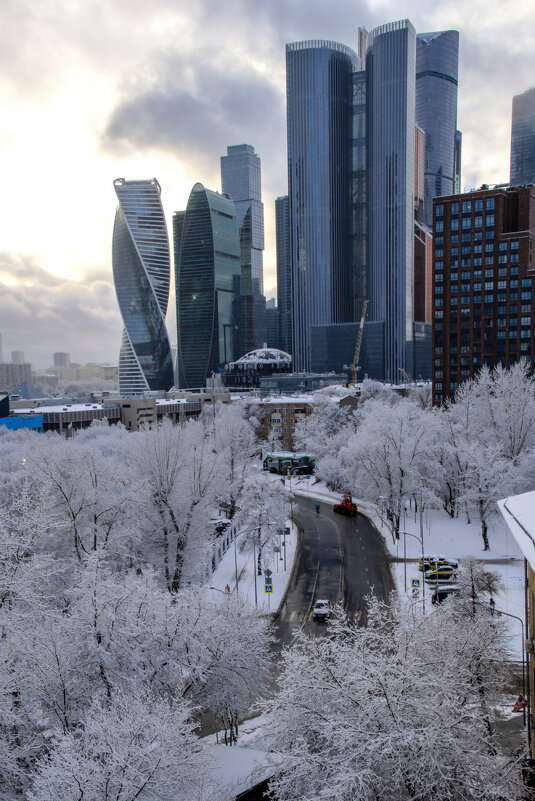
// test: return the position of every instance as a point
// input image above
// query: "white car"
(322, 609)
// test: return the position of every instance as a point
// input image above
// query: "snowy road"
(341, 559)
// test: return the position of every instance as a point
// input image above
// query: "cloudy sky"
(92, 90)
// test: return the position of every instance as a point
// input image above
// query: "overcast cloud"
(91, 91)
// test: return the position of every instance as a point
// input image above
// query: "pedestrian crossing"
(298, 616)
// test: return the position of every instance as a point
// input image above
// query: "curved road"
(340, 558)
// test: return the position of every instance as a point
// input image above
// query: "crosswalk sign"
(268, 587)
(415, 583)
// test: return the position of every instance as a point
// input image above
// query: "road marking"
(293, 616)
(307, 615)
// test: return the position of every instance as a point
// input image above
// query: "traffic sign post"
(416, 583)
(268, 588)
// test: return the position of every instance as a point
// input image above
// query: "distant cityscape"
(371, 234)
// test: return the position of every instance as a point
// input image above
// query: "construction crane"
(354, 364)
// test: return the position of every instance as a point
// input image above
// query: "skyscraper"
(390, 70)
(241, 180)
(319, 115)
(523, 139)
(141, 273)
(437, 64)
(207, 275)
(284, 273)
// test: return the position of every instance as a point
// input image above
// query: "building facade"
(523, 139)
(241, 180)
(437, 66)
(319, 117)
(390, 70)
(482, 284)
(207, 275)
(141, 274)
(284, 272)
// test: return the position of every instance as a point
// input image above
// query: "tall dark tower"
(284, 273)
(437, 65)
(319, 112)
(207, 275)
(523, 139)
(241, 180)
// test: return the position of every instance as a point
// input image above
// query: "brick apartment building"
(482, 283)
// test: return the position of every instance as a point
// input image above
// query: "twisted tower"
(141, 272)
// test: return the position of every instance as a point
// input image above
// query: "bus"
(298, 464)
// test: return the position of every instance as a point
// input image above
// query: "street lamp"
(508, 614)
(421, 541)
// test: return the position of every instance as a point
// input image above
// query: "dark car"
(443, 593)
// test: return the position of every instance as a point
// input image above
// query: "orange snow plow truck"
(346, 506)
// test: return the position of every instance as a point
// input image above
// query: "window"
(502, 297)
(501, 334)
(454, 301)
(439, 265)
(526, 307)
(489, 259)
(439, 252)
(490, 204)
(502, 246)
(467, 222)
(467, 206)
(454, 224)
(477, 299)
(454, 287)
(454, 251)
(439, 226)
(439, 315)
(514, 296)
(525, 321)
(465, 287)
(438, 302)
(525, 333)
(489, 285)
(439, 240)
(514, 244)
(502, 259)
(438, 385)
(478, 222)
(466, 250)
(513, 283)
(478, 236)
(477, 261)
(502, 284)
(489, 247)
(454, 263)
(465, 275)
(439, 210)
(466, 262)
(454, 208)
(489, 298)
(489, 234)
(478, 205)
(513, 257)
(454, 238)
(513, 271)
(439, 290)
(526, 283)
(465, 299)
(477, 273)
(439, 374)
(439, 277)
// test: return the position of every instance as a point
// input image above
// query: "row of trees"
(109, 649)
(462, 457)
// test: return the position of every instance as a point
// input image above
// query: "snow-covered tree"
(398, 709)
(140, 748)
(236, 444)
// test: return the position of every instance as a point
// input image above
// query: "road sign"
(268, 574)
(416, 583)
(268, 587)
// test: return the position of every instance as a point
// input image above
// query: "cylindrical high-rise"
(437, 65)
(141, 273)
(207, 276)
(390, 70)
(319, 95)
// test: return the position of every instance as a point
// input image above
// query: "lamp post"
(499, 613)
(421, 541)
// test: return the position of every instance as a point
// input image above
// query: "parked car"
(443, 575)
(435, 562)
(443, 593)
(322, 609)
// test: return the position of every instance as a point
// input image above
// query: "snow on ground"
(454, 539)
(281, 569)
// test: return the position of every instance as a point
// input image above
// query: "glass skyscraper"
(207, 275)
(141, 273)
(437, 64)
(319, 116)
(284, 273)
(523, 139)
(241, 180)
(390, 71)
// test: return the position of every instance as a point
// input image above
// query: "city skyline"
(168, 105)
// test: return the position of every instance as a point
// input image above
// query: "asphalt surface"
(341, 559)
